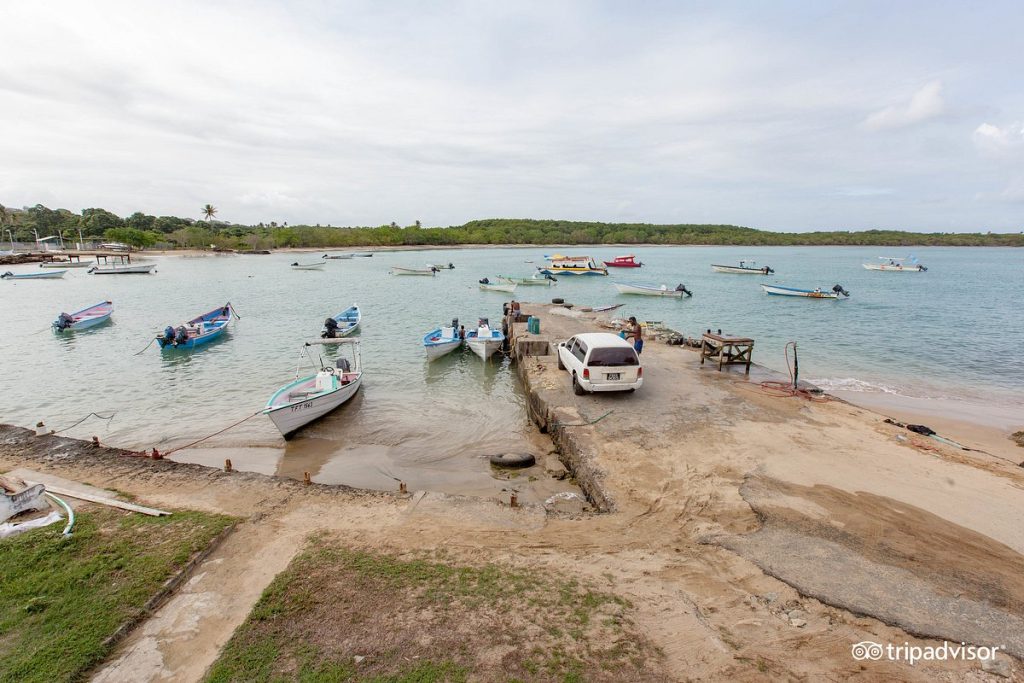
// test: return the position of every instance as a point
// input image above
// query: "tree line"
(144, 230)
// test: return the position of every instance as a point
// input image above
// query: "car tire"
(632, 389)
(561, 365)
(576, 388)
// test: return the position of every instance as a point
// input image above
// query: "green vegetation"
(342, 615)
(143, 230)
(60, 599)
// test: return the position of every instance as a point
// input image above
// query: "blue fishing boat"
(85, 318)
(442, 341)
(197, 331)
(343, 324)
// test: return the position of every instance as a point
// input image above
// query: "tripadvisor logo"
(871, 651)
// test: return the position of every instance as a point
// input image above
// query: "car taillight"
(586, 373)
(639, 372)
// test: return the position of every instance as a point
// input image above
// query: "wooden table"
(726, 350)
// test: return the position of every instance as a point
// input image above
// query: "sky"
(781, 116)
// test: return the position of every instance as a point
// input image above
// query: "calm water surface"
(953, 331)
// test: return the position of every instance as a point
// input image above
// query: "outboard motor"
(682, 288)
(484, 281)
(483, 322)
(168, 335)
(923, 268)
(768, 270)
(64, 321)
(455, 324)
(182, 335)
(451, 266)
(838, 289)
(330, 329)
(344, 365)
(549, 276)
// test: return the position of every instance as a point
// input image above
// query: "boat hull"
(507, 288)
(215, 323)
(124, 270)
(86, 318)
(395, 270)
(586, 272)
(647, 291)
(348, 322)
(309, 266)
(52, 275)
(485, 348)
(805, 293)
(894, 269)
(527, 281)
(291, 417)
(66, 264)
(737, 270)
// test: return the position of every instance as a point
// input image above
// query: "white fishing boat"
(298, 403)
(648, 290)
(488, 286)
(308, 266)
(92, 316)
(442, 341)
(483, 341)
(51, 275)
(744, 268)
(896, 265)
(337, 257)
(532, 281)
(65, 264)
(399, 270)
(123, 270)
(818, 293)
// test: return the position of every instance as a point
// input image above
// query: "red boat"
(627, 261)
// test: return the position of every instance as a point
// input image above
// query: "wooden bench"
(726, 350)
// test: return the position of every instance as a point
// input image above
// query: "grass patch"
(60, 599)
(342, 615)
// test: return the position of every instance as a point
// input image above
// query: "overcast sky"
(786, 116)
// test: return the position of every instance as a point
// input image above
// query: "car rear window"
(613, 357)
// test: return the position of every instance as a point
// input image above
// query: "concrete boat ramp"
(755, 535)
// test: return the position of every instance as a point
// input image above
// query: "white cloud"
(994, 137)
(925, 104)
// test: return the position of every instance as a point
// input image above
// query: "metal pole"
(796, 367)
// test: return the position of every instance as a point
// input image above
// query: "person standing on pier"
(637, 334)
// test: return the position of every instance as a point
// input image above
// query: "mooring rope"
(102, 417)
(210, 436)
(581, 424)
(147, 346)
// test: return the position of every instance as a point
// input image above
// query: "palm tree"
(209, 211)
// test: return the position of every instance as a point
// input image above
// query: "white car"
(599, 361)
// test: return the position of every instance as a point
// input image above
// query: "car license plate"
(613, 375)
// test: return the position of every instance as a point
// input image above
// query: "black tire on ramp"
(512, 459)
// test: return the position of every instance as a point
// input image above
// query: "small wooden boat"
(365, 254)
(51, 275)
(601, 309)
(337, 256)
(834, 293)
(342, 325)
(627, 261)
(308, 266)
(744, 268)
(489, 286)
(200, 330)
(399, 270)
(298, 403)
(648, 290)
(483, 341)
(534, 281)
(896, 265)
(442, 341)
(92, 316)
(123, 270)
(572, 265)
(65, 264)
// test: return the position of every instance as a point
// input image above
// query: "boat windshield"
(612, 357)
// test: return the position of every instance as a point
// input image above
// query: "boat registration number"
(302, 406)
(613, 375)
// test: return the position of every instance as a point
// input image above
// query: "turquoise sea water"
(954, 331)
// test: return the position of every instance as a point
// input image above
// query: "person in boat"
(462, 332)
(637, 334)
(330, 329)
